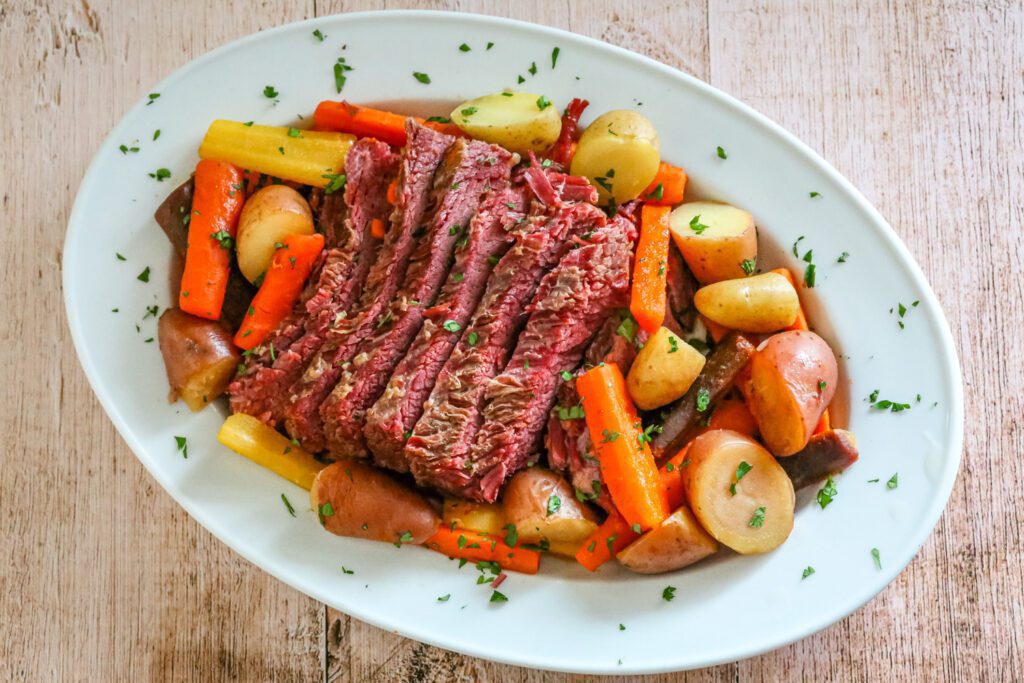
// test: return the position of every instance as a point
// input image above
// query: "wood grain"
(920, 104)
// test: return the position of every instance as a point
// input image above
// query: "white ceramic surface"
(565, 619)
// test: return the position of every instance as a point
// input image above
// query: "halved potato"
(738, 492)
(762, 303)
(619, 153)
(663, 370)
(199, 356)
(354, 499)
(543, 506)
(269, 215)
(715, 239)
(677, 542)
(792, 380)
(521, 122)
(487, 518)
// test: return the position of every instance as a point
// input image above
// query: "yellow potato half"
(520, 122)
(715, 239)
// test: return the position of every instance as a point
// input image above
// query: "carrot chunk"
(668, 186)
(478, 547)
(647, 302)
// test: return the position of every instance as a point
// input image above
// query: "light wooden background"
(105, 578)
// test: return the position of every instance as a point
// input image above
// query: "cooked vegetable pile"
(499, 334)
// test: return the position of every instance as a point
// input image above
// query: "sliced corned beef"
(421, 157)
(438, 451)
(391, 419)
(572, 303)
(469, 171)
(345, 219)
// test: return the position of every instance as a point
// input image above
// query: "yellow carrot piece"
(303, 156)
(264, 445)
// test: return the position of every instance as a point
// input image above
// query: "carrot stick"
(615, 534)
(647, 303)
(478, 547)
(602, 545)
(668, 186)
(377, 228)
(386, 126)
(281, 287)
(627, 465)
(216, 205)
(717, 331)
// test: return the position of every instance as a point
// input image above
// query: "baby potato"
(543, 506)
(619, 153)
(762, 303)
(269, 215)
(677, 542)
(715, 239)
(792, 380)
(518, 121)
(738, 492)
(354, 499)
(199, 356)
(663, 370)
(487, 518)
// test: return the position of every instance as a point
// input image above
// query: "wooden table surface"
(106, 578)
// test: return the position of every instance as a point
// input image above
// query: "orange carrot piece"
(478, 547)
(216, 205)
(647, 302)
(370, 123)
(801, 320)
(717, 331)
(732, 413)
(824, 424)
(602, 545)
(672, 478)
(377, 228)
(627, 465)
(393, 192)
(668, 186)
(289, 268)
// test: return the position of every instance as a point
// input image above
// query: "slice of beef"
(681, 286)
(552, 188)
(346, 218)
(680, 419)
(173, 216)
(439, 448)
(391, 419)
(572, 302)
(469, 171)
(825, 454)
(421, 158)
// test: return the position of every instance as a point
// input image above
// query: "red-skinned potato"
(677, 542)
(199, 356)
(355, 499)
(792, 380)
(543, 506)
(738, 492)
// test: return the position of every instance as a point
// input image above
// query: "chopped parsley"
(511, 535)
(826, 493)
(757, 520)
(821, 386)
(125, 149)
(893, 482)
(609, 436)
(697, 226)
(346, 570)
(843, 257)
(458, 277)
(554, 503)
(340, 68)
(288, 505)
(886, 404)
(160, 174)
(464, 48)
(451, 326)
(153, 97)
(554, 56)
(156, 135)
(795, 244)
(335, 182)
(748, 265)
(325, 510)
(673, 343)
(404, 537)
(543, 102)
(319, 35)
(472, 338)
(877, 557)
(807, 572)
(627, 329)
(572, 413)
(622, 627)
(270, 92)
(741, 471)
(533, 68)
(224, 237)
(439, 119)
(721, 153)
(468, 111)
(498, 596)
(144, 275)
(294, 132)
(703, 399)
(421, 77)
(182, 444)
(490, 45)
(445, 598)
(637, 528)
(120, 257)
(657, 193)
(669, 593)
(815, 194)
(810, 274)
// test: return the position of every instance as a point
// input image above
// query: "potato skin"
(784, 391)
(663, 370)
(526, 505)
(762, 303)
(714, 458)
(619, 153)
(199, 357)
(513, 120)
(269, 215)
(368, 503)
(717, 253)
(677, 542)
